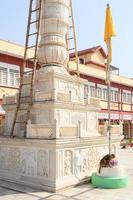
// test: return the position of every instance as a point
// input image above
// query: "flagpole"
(109, 92)
(108, 34)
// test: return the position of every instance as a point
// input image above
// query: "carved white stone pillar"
(56, 129)
(29, 128)
(54, 30)
(79, 128)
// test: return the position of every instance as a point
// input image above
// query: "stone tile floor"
(11, 191)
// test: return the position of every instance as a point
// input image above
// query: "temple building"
(92, 67)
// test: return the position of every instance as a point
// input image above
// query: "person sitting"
(105, 162)
(109, 167)
(113, 162)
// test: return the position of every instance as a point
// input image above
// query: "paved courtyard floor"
(10, 191)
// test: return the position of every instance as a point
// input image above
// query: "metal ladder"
(32, 36)
(71, 40)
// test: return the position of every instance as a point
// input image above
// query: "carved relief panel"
(68, 163)
(42, 163)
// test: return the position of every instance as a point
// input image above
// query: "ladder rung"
(25, 84)
(22, 109)
(28, 72)
(30, 59)
(25, 97)
(33, 22)
(24, 102)
(35, 33)
(20, 122)
(71, 49)
(30, 47)
(35, 9)
(71, 38)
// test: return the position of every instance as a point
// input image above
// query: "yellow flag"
(109, 30)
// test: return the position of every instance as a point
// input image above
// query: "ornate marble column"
(54, 29)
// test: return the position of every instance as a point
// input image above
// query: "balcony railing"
(92, 101)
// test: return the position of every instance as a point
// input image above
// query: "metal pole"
(109, 94)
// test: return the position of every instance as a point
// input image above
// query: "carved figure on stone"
(93, 158)
(85, 162)
(42, 163)
(22, 168)
(14, 159)
(68, 163)
(77, 162)
(31, 163)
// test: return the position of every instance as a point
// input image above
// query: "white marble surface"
(53, 33)
(59, 108)
(12, 191)
(70, 147)
(50, 164)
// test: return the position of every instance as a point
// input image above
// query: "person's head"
(108, 158)
(112, 155)
(105, 160)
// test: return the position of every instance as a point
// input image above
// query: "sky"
(89, 21)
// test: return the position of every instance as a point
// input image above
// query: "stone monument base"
(52, 164)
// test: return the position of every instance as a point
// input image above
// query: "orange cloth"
(109, 31)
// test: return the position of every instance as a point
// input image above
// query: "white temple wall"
(37, 163)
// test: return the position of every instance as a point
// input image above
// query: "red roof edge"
(95, 63)
(90, 50)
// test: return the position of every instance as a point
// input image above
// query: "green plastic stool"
(109, 182)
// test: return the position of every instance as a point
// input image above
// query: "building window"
(114, 96)
(129, 98)
(14, 77)
(86, 91)
(82, 61)
(3, 76)
(99, 93)
(126, 98)
(92, 91)
(105, 94)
